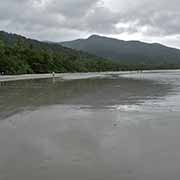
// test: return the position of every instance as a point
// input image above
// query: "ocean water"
(118, 127)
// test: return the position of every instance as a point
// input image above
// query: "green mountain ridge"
(127, 52)
(20, 55)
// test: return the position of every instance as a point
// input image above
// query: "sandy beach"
(64, 76)
(71, 76)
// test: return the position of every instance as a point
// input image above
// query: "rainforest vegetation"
(19, 55)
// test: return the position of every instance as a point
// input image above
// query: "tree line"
(23, 57)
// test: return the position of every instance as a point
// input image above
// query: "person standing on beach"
(53, 74)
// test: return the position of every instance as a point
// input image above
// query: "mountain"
(19, 54)
(127, 52)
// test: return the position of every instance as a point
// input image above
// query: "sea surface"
(111, 127)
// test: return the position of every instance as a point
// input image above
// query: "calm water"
(118, 127)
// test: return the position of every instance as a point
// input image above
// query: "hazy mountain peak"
(94, 36)
(129, 52)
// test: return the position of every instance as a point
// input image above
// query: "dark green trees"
(19, 55)
(22, 58)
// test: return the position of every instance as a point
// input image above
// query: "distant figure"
(53, 74)
(53, 77)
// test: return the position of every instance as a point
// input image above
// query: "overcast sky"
(60, 20)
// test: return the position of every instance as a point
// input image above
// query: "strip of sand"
(63, 76)
(72, 76)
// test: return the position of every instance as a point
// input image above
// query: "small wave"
(126, 107)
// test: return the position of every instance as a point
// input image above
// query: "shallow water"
(111, 127)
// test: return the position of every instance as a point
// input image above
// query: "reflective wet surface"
(115, 127)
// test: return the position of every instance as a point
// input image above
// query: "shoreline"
(73, 76)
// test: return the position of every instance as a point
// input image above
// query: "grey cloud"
(71, 8)
(69, 19)
(161, 17)
(102, 20)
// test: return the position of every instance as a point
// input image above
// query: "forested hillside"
(128, 52)
(19, 55)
